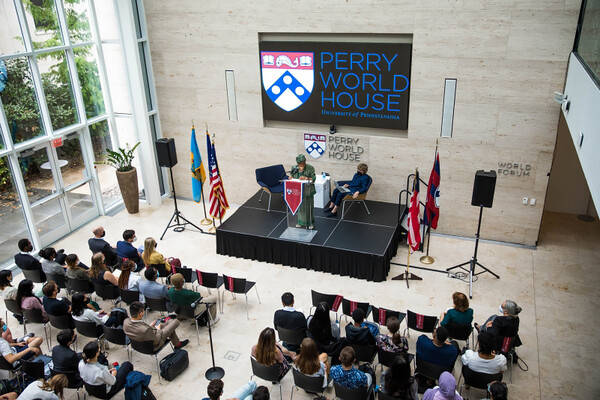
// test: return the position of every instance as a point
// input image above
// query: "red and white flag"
(216, 196)
(413, 222)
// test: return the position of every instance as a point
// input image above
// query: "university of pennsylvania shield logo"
(315, 145)
(288, 77)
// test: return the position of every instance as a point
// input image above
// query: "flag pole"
(205, 221)
(213, 228)
(406, 275)
(427, 259)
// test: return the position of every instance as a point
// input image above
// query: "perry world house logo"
(315, 145)
(288, 77)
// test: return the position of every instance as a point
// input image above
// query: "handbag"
(174, 364)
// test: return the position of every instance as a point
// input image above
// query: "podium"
(299, 213)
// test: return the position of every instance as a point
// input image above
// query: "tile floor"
(557, 285)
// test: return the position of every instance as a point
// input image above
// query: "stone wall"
(508, 58)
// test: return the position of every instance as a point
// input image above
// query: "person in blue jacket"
(358, 185)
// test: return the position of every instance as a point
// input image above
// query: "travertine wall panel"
(508, 57)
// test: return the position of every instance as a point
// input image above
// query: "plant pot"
(128, 184)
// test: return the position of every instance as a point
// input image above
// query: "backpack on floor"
(174, 364)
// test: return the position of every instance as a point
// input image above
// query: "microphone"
(295, 169)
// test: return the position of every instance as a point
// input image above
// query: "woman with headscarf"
(446, 389)
(304, 171)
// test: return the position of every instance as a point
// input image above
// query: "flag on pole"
(217, 200)
(414, 223)
(197, 168)
(432, 204)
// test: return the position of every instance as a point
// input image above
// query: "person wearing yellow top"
(151, 256)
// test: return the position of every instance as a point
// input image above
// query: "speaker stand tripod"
(177, 215)
(473, 261)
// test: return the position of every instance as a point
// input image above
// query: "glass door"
(58, 184)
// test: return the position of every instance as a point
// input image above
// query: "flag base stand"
(409, 276)
(212, 229)
(427, 260)
(177, 217)
(206, 222)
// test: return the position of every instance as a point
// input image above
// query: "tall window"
(587, 41)
(60, 108)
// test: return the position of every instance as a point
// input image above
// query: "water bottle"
(324, 175)
(116, 365)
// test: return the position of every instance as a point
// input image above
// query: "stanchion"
(214, 372)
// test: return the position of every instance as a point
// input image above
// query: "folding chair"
(240, 286)
(269, 373)
(291, 336)
(478, 380)
(333, 301)
(344, 393)
(420, 322)
(310, 384)
(380, 315)
(348, 307)
(211, 280)
(147, 347)
(15, 308)
(117, 336)
(34, 316)
(460, 332)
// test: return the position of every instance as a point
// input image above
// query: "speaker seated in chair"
(270, 180)
(358, 187)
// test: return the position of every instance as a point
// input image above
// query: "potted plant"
(126, 175)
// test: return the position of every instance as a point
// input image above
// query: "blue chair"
(361, 197)
(270, 180)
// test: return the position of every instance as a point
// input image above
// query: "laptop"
(341, 189)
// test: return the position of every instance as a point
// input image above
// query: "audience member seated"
(49, 264)
(398, 382)
(267, 352)
(14, 351)
(461, 313)
(9, 395)
(445, 391)
(52, 305)
(358, 185)
(100, 274)
(323, 330)
(7, 290)
(392, 341)
(247, 392)
(75, 269)
(125, 249)
(27, 299)
(185, 297)
(158, 332)
(52, 389)
(486, 360)
(504, 325)
(63, 357)
(94, 373)
(26, 261)
(361, 331)
(151, 288)
(310, 362)
(348, 376)
(97, 244)
(128, 279)
(151, 256)
(289, 318)
(81, 312)
(437, 351)
(497, 391)
(7, 334)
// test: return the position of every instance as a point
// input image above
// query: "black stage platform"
(360, 245)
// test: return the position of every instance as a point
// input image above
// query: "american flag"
(218, 201)
(413, 222)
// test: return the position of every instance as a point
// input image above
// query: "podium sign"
(293, 194)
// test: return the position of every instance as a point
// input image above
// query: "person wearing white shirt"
(486, 360)
(94, 373)
(51, 389)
